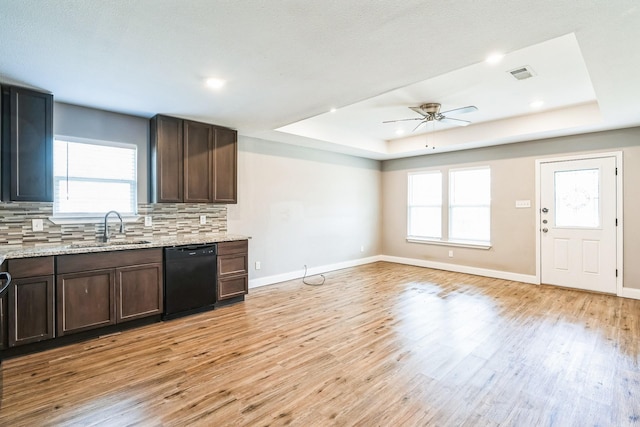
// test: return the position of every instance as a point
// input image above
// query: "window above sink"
(93, 177)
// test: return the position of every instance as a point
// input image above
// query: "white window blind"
(92, 178)
(425, 205)
(470, 205)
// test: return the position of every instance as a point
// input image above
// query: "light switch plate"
(148, 222)
(523, 204)
(203, 219)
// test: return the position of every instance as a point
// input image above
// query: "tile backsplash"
(168, 220)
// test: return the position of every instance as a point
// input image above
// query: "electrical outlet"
(148, 222)
(450, 254)
(258, 266)
(203, 219)
(523, 204)
(37, 225)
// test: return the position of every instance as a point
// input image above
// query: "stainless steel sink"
(106, 244)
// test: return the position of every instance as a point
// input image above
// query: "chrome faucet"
(105, 236)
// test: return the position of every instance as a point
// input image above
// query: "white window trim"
(92, 218)
(442, 241)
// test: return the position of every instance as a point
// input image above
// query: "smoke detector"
(522, 73)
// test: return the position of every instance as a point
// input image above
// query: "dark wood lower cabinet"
(86, 300)
(115, 287)
(138, 291)
(30, 301)
(3, 322)
(233, 279)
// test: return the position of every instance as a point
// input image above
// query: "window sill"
(61, 220)
(454, 243)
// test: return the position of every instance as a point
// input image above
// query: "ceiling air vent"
(522, 73)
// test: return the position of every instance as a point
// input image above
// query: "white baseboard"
(496, 274)
(311, 271)
(630, 293)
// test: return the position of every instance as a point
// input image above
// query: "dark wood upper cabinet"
(192, 162)
(225, 165)
(166, 159)
(27, 145)
(198, 162)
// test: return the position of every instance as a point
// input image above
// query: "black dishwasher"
(189, 279)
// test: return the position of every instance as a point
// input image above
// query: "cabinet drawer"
(232, 265)
(232, 287)
(227, 248)
(30, 267)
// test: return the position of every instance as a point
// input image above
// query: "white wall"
(304, 207)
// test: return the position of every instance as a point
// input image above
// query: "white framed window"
(425, 205)
(470, 205)
(465, 208)
(93, 177)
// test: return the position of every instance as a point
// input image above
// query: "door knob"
(544, 230)
(545, 210)
(544, 221)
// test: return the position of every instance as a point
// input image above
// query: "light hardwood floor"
(377, 345)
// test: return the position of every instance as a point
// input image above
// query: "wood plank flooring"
(377, 345)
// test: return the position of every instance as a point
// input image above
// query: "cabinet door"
(85, 300)
(30, 310)
(3, 321)
(28, 157)
(225, 159)
(198, 162)
(138, 291)
(166, 159)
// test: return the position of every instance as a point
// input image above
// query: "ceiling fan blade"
(419, 111)
(456, 122)
(419, 124)
(461, 110)
(403, 120)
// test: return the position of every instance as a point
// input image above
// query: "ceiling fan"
(430, 112)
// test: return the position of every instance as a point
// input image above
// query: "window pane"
(470, 187)
(470, 223)
(577, 198)
(425, 222)
(94, 178)
(93, 196)
(425, 189)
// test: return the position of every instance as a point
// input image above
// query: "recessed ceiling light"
(494, 58)
(215, 83)
(333, 110)
(399, 132)
(536, 104)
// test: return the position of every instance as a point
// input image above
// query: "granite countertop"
(17, 251)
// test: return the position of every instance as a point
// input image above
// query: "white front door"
(578, 223)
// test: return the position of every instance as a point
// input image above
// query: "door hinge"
(616, 171)
(616, 222)
(616, 272)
